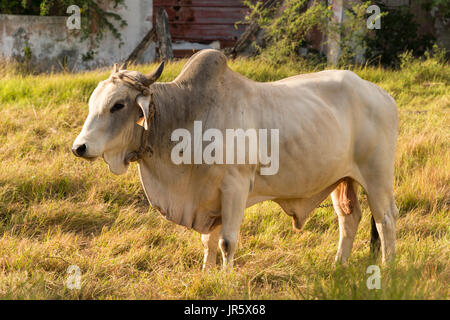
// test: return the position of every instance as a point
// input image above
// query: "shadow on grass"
(35, 206)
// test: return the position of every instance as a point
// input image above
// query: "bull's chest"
(178, 200)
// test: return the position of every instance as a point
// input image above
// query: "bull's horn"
(152, 77)
(115, 68)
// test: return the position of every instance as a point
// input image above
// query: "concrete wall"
(52, 45)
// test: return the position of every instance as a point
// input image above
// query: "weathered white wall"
(52, 44)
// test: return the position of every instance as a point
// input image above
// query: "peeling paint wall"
(49, 44)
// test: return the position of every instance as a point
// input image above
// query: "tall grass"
(57, 211)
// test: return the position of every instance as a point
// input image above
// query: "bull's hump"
(202, 67)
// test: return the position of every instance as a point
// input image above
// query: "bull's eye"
(116, 107)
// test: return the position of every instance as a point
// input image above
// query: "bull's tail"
(375, 242)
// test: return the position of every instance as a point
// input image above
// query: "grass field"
(56, 210)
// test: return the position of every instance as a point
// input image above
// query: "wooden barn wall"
(204, 21)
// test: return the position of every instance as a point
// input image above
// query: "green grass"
(56, 210)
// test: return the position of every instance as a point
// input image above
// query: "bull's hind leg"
(385, 214)
(346, 205)
(210, 242)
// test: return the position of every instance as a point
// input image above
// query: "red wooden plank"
(205, 15)
(205, 33)
(184, 53)
(227, 43)
(198, 3)
(187, 24)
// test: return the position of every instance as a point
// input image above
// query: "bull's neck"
(174, 108)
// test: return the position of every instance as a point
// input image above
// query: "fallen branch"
(142, 46)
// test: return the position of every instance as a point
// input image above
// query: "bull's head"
(116, 107)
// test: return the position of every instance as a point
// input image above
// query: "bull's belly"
(296, 181)
(251, 200)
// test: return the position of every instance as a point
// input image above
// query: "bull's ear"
(144, 104)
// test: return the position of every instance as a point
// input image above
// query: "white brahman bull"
(336, 131)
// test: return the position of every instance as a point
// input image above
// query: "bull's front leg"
(235, 189)
(210, 243)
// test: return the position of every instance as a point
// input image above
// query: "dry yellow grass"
(56, 210)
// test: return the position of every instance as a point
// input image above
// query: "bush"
(287, 31)
(398, 33)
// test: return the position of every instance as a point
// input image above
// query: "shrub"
(287, 30)
(398, 33)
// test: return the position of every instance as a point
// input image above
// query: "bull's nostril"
(80, 150)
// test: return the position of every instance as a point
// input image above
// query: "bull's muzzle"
(79, 150)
